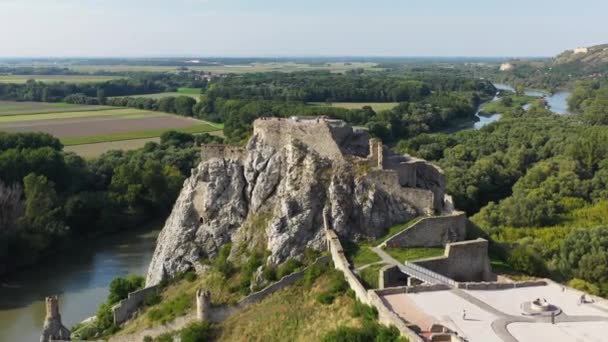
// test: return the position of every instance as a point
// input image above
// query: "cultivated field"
(95, 150)
(55, 78)
(376, 106)
(224, 69)
(194, 93)
(99, 124)
(17, 108)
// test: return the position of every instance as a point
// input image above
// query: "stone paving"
(495, 315)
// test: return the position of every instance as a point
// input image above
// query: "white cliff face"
(290, 187)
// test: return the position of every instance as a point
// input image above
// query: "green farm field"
(194, 93)
(226, 69)
(93, 139)
(22, 108)
(20, 79)
(100, 124)
(376, 106)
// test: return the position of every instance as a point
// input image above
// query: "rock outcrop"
(273, 194)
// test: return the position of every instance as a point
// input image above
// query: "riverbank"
(80, 276)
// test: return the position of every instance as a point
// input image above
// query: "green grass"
(167, 94)
(189, 91)
(20, 79)
(392, 231)
(68, 141)
(292, 314)
(361, 255)
(409, 254)
(369, 276)
(376, 106)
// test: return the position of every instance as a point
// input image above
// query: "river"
(80, 279)
(558, 103)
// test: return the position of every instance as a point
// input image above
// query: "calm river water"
(81, 279)
(558, 103)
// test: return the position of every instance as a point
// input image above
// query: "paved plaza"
(496, 315)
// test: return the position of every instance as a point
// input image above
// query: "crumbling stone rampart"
(53, 329)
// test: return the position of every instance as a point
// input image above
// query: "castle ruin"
(53, 329)
(417, 181)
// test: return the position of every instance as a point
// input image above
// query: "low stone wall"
(500, 286)
(282, 283)
(342, 264)
(431, 232)
(385, 315)
(391, 276)
(388, 317)
(411, 289)
(218, 314)
(462, 261)
(123, 311)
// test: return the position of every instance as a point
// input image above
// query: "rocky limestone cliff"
(274, 193)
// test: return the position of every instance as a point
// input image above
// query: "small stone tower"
(53, 329)
(376, 152)
(203, 305)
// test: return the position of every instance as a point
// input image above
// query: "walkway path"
(499, 326)
(414, 271)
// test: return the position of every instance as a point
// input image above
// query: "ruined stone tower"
(53, 329)
(203, 304)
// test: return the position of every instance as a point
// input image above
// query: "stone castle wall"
(431, 232)
(127, 307)
(462, 261)
(316, 133)
(342, 264)
(421, 199)
(385, 315)
(213, 151)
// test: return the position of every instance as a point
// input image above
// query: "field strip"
(59, 110)
(72, 115)
(69, 141)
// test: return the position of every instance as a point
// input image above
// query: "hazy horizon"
(272, 28)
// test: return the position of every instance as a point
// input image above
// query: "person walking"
(464, 314)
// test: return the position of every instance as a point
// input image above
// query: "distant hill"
(588, 57)
(558, 72)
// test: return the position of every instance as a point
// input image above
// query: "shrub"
(336, 286)
(524, 260)
(584, 286)
(168, 310)
(371, 331)
(366, 312)
(166, 337)
(190, 276)
(196, 332)
(152, 299)
(326, 298)
(121, 287)
(288, 267)
(312, 273)
(148, 338)
(221, 263)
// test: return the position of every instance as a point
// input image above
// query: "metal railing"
(427, 275)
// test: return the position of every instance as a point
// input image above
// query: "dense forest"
(94, 93)
(49, 197)
(537, 184)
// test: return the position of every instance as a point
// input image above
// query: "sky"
(268, 28)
